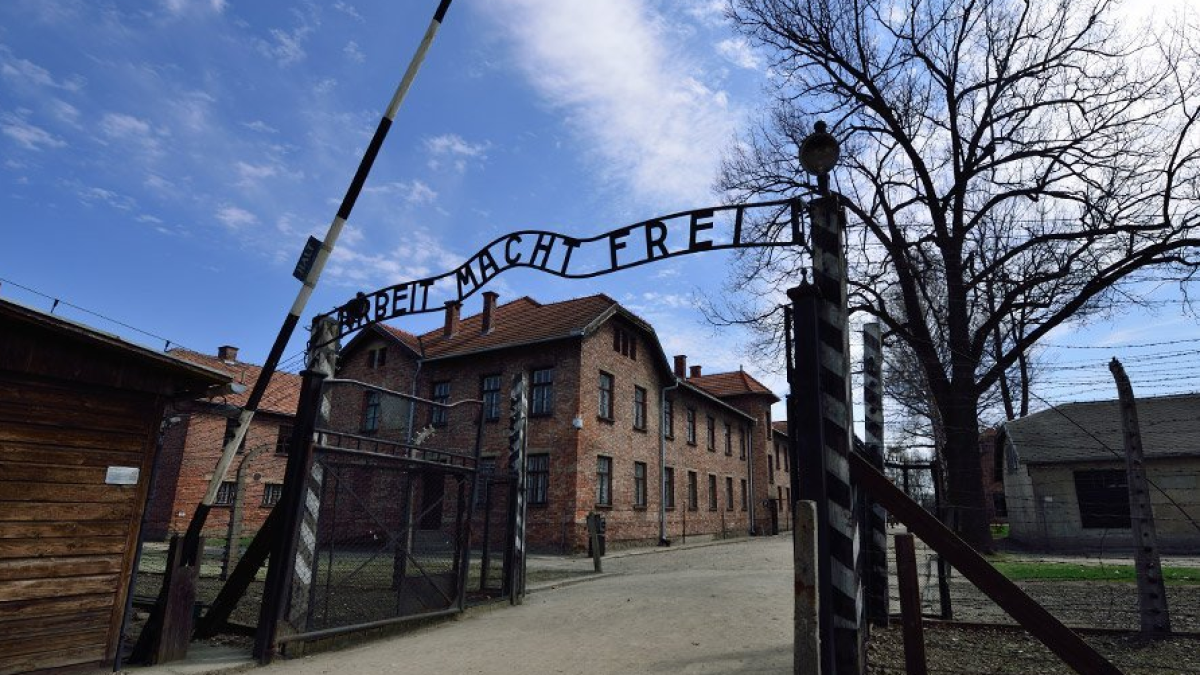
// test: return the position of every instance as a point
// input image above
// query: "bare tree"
(1007, 166)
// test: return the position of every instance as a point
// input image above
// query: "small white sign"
(122, 475)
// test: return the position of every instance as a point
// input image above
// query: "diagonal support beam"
(1034, 618)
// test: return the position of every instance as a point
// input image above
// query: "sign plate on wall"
(122, 475)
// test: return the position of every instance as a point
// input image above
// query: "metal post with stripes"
(514, 557)
(309, 277)
(877, 570)
(297, 502)
(829, 276)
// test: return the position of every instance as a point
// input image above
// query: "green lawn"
(1019, 570)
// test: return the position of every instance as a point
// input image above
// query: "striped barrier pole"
(309, 277)
(515, 557)
(829, 277)
(877, 570)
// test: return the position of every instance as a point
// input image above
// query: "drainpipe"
(662, 463)
(750, 470)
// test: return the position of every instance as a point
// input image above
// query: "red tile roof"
(780, 427)
(520, 322)
(406, 338)
(736, 383)
(283, 393)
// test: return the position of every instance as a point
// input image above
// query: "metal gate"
(385, 527)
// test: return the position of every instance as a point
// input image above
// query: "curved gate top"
(770, 223)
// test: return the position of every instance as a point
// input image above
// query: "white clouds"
(131, 132)
(29, 73)
(633, 97)
(178, 7)
(250, 174)
(412, 192)
(347, 9)
(738, 51)
(353, 53)
(452, 150)
(287, 47)
(261, 127)
(117, 201)
(27, 135)
(235, 217)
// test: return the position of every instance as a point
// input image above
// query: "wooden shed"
(79, 419)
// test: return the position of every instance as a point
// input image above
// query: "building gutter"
(662, 463)
(750, 471)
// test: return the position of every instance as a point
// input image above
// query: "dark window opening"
(1103, 498)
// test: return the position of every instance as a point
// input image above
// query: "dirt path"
(714, 609)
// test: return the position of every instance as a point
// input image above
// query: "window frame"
(668, 414)
(712, 492)
(728, 439)
(693, 494)
(439, 416)
(604, 493)
(491, 397)
(640, 408)
(604, 402)
(691, 425)
(537, 477)
(1106, 506)
(541, 394)
(372, 411)
(226, 493)
(640, 493)
(710, 431)
(283, 436)
(268, 489)
(728, 493)
(669, 488)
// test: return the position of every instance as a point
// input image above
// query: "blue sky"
(164, 161)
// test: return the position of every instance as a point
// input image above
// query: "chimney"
(452, 309)
(695, 371)
(681, 366)
(489, 309)
(227, 353)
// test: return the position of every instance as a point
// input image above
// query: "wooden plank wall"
(66, 538)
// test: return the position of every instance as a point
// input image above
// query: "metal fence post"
(514, 557)
(829, 276)
(1152, 591)
(877, 576)
(806, 444)
(807, 659)
(282, 562)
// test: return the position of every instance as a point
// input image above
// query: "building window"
(282, 438)
(639, 484)
(377, 358)
(728, 440)
(606, 396)
(712, 434)
(542, 398)
(537, 475)
(603, 481)
(745, 503)
(487, 469)
(693, 497)
(441, 394)
(669, 487)
(624, 343)
(668, 419)
(226, 493)
(370, 423)
(691, 426)
(712, 492)
(728, 493)
(770, 469)
(271, 493)
(491, 397)
(231, 425)
(639, 408)
(1103, 498)
(742, 443)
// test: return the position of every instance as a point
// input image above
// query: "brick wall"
(191, 448)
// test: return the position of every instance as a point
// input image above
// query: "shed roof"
(33, 341)
(1091, 431)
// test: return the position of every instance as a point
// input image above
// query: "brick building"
(193, 437)
(612, 421)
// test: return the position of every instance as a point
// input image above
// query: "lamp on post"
(819, 153)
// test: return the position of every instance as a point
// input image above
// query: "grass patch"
(1061, 571)
(999, 530)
